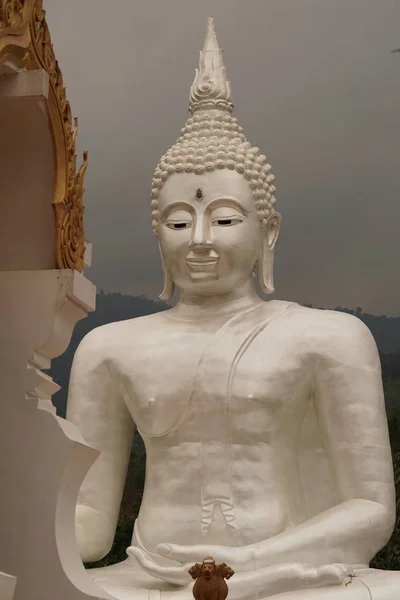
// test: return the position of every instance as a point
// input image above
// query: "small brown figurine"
(210, 580)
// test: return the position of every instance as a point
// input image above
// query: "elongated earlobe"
(265, 270)
(169, 287)
(265, 263)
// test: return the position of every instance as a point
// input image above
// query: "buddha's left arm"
(349, 403)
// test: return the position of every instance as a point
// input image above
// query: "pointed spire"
(211, 88)
(210, 41)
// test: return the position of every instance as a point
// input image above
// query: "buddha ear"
(169, 286)
(265, 263)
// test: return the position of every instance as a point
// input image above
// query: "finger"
(339, 572)
(238, 558)
(185, 554)
(271, 581)
(334, 574)
(174, 575)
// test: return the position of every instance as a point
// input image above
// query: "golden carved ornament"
(25, 41)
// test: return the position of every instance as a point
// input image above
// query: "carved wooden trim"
(25, 42)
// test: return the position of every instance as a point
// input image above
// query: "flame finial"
(211, 88)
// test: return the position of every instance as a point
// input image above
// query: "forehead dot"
(199, 194)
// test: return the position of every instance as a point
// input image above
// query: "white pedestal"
(43, 459)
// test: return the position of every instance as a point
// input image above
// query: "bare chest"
(213, 378)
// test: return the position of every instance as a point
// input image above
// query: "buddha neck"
(191, 306)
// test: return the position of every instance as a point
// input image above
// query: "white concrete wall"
(7, 586)
(43, 459)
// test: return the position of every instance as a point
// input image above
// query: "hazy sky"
(315, 86)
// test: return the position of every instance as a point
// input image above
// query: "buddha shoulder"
(333, 334)
(107, 341)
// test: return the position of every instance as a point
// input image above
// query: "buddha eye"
(178, 225)
(227, 221)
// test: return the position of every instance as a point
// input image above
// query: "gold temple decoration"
(25, 41)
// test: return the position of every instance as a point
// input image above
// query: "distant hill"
(118, 307)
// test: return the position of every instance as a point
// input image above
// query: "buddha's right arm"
(96, 407)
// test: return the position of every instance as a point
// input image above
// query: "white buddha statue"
(264, 422)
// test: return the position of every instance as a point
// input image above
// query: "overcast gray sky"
(315, 86)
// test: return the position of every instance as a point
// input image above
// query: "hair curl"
(214, 140)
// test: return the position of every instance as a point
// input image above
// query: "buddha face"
(209, 231)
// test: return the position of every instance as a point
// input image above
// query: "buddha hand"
(270, 580)
(242, 558)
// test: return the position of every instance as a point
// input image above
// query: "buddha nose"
(200, 239)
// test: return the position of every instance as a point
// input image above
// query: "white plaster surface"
(25, 85)
(42, 458)
(252, 413)
(7, 586)
(264, 422)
